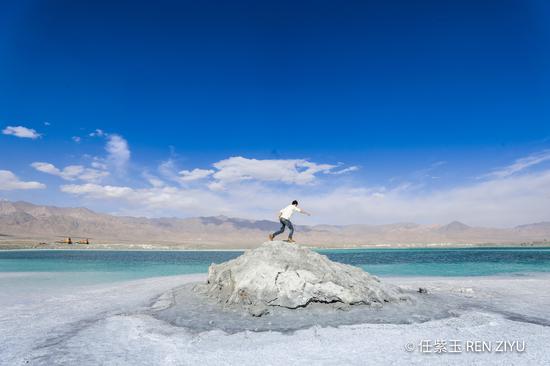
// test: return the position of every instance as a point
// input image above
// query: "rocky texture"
(286, 275)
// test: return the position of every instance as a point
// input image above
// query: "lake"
(101, 266)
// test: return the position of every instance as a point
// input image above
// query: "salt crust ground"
(110, 325)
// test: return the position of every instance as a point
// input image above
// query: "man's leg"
(291, 228)
(281, 230)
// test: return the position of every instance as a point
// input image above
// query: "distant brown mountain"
(20, 221)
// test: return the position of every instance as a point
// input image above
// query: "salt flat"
(114, 324)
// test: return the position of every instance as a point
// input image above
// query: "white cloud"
(9, 182)
(216, 186)
(93, 175)
(20, 131)
(238, 169)
(118, 154)
(153, 180)
(296, 171)
(46, 168)
(155, 201)
(98, 164)
(345, 170)
(243, 189)
(521, 164)
(168, 170)
(498, 202)
(97, 191)
(97, 133)
(71, 172)
(118, 151)
(195, 174)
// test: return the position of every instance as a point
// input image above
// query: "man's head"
(295, 203)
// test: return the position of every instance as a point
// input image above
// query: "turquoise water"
(122, 265)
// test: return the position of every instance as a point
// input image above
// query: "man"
(284, 218)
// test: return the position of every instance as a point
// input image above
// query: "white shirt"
(287, 212)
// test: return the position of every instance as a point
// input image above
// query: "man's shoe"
(271, 237)
(290, 240)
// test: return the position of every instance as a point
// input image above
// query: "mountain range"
(28, 224)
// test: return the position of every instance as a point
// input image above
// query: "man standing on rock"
(284, 218)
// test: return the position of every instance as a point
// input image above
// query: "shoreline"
(153, 248)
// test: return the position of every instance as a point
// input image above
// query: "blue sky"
(367, 112)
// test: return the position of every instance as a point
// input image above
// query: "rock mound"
(286, 275)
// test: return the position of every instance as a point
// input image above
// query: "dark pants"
(285, 222)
